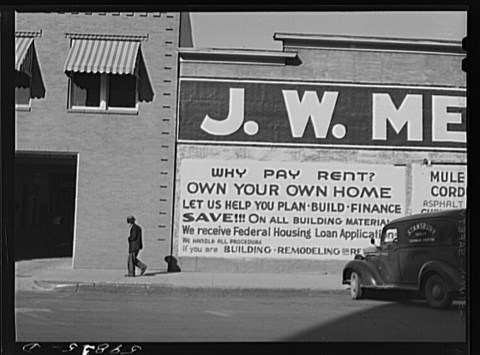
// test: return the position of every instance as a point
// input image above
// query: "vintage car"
(423, 252)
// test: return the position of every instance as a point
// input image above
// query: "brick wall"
(354, 66)
(125, 162)
(319, 65)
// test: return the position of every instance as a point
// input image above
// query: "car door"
(388, 256)
(411, 256)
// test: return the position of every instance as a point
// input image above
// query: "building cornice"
(29, 34)
(105, 37)
(369, 43)
(238, 55)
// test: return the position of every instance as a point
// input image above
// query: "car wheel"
(436, 292)
(355, 286)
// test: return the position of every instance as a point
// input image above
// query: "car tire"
(436, 292)
(355, 286)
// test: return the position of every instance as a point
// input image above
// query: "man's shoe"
(143, 271)
(128, 275)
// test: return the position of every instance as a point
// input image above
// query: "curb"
(115, 287)
(55, 286)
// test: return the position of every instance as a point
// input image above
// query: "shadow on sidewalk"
(155, 273)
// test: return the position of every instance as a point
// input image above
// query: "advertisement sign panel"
(438, 187)
(287, 210)
(321, 114)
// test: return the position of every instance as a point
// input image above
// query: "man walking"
(134, 247)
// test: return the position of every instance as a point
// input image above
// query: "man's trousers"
(134, 261)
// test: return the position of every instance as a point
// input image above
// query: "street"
(333, 317)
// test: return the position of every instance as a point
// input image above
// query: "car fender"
(369, 274)
(450, 274)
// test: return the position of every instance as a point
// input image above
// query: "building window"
(122, 91)
(23, 86)
(85, 90)
(28, 78)
(103, 91)
(107, 73)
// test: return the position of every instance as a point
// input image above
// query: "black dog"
(172, 264)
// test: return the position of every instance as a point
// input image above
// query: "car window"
(389, 238)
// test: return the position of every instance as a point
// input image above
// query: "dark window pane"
(85, 90)
(122, 91)
(22, 96)
(22, 89)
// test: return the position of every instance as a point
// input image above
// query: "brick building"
(95, 133)
(233, 160)
(293, 160)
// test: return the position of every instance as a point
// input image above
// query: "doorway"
(44, 210)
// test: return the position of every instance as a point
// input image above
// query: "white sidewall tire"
(355, 286)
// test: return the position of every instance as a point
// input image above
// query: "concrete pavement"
(58, 275)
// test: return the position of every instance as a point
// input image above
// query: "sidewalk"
(58, 275)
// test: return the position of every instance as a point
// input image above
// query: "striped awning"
(102, 56)
(23, 54)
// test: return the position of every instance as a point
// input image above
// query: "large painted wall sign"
(310, 114)
(265, 209)
(438, 187)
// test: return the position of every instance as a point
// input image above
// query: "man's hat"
(130, 218)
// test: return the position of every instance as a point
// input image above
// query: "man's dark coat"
(135, 239)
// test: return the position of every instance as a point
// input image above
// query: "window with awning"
(28, 78)
(23, 55)
(106, 72)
